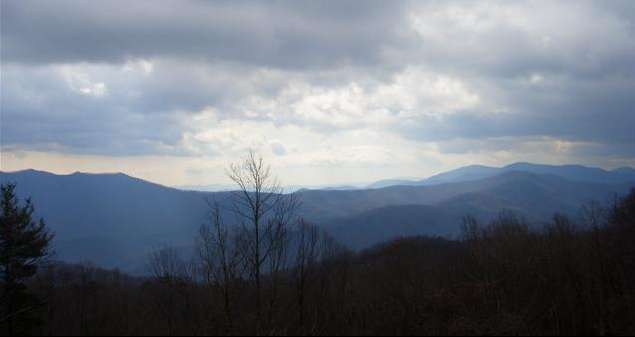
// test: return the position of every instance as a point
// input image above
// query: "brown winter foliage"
(503, 278)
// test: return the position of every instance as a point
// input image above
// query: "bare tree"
(594, 214)
(219, 257)
(265, 212)
(167, 267)
(308, 253)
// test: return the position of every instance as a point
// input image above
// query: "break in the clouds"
(335, 90)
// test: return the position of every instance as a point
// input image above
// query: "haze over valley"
(115, 220)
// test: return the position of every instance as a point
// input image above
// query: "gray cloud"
(282, 34)
(278, 149)
(41, 111)
(74, 77)
(574, 109)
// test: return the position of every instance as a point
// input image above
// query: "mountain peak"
(28, 171)
(105, 174)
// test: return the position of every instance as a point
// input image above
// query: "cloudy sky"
(328, 91)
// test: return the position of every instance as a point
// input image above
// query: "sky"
(328, 92)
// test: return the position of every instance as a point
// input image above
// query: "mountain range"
(476, 172)
(115, 220)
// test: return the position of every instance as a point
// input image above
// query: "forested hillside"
(502, 278)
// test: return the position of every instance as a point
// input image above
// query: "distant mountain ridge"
(476, 172)
(105, 217)
(535, 197)
(114, 220)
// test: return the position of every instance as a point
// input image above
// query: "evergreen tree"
(24, 244)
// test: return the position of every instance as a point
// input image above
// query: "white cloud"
(80, 81)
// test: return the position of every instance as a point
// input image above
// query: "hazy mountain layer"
(476, 172)
(115, 219)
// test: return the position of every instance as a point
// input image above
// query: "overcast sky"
(328, 91)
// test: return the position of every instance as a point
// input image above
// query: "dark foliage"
(503, 278)
(23, 245)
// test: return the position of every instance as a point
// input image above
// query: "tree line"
(263, 270)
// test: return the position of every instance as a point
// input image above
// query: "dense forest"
(272, 274)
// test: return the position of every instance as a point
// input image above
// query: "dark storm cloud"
(600, 110)
(560, 70)
(277, 34)
(208, 53)
(39, 112)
